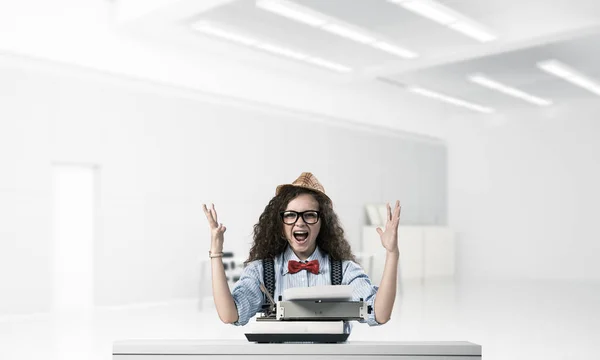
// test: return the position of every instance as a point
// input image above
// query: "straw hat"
(306, 180)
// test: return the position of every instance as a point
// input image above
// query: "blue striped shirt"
(249, 299)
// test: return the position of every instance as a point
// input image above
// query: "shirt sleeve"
(246, 293)
(362, 288)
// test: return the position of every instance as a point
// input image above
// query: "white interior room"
(119, 119)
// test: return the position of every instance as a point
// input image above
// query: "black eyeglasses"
(290, 217)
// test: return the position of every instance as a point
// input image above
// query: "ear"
(283, 233)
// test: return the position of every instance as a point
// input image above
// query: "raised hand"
(216, 230)
(389, 236)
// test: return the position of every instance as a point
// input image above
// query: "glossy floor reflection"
(511, 320)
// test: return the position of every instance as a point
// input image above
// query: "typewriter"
(317, 314)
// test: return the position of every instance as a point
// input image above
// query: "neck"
(305, 255)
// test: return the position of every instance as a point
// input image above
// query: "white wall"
(161, 152)
(524, 193)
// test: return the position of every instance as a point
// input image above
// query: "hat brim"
(280, 187)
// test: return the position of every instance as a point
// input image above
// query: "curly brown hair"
(268, 232)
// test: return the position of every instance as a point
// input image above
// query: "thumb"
(379, 231)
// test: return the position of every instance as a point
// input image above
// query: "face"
(301, 236)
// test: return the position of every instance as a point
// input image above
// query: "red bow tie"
(295, 266)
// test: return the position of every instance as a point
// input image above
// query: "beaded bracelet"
(216, 255)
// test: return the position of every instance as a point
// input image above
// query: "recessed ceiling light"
(447, 17)
(210, 29)
(328, 64)
(218, 31)
(474, 31)
(393, 49)
(565, 72)
(292, 11)
(349, 33)
(450, 100)
(492, 84)
(281, 51)
(431, 11)
(332, 25)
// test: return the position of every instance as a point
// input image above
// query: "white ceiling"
(517, 69)
(528, 31)
(516, 23)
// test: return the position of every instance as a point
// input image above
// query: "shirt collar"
(289, 254)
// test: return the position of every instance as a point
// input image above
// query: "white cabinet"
(439, 250)
(425, 252)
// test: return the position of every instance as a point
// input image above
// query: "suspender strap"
(336, 272)
(269, 276)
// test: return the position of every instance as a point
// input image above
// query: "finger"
(389, 211)
(209, 215)
(214, 212)
(223, 228)
(397, 210)
(379, 231)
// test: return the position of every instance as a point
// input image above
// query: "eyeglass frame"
(300, 214)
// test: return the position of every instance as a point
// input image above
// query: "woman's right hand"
(216, 230)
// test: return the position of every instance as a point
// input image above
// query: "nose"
(300, 221)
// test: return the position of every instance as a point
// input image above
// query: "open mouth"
(300, 235)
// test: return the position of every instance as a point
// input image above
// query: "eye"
(311, 215)
(289, 215)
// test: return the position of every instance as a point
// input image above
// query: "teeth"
(300, 232)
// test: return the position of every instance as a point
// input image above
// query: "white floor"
(525, 320)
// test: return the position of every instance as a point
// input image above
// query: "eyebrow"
(302, 210)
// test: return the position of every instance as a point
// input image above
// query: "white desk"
(355, 350)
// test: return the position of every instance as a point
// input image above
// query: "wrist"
(393, 252)
(216, 249)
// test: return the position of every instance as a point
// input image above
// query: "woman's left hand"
(389, 236)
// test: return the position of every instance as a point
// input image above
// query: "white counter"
(356, 350)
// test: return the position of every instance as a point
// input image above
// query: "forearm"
(221, 294)
(386, 294)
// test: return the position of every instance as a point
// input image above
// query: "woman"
(300, 231)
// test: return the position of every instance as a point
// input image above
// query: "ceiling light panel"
(569, 74)
(474, 31)
(349, 33)
(293, 11)
(328, 64)
(334, 26)
(210, 29)
(447, 17)
(393, 49)
(431, 11)
(223, 33)
(450, 100)
(494, 85)
(281, 51)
